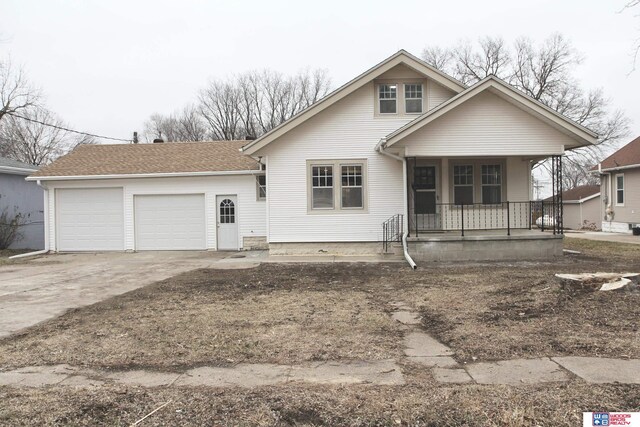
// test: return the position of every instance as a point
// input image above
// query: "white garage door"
(89, 219)
(170, 222)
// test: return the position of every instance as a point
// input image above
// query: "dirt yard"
(297, 313)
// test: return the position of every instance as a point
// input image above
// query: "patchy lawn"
(421, 403)
(297, 313)
(6, 253)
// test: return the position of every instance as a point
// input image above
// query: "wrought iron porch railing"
(501, 216)
(392, 230)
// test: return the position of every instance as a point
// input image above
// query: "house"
(581, 208)
(400, 150)
(18, 197)
(620, 189)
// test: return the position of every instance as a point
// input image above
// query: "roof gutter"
(380, 149)
(17, 171)
(616, 168)
(140, 175)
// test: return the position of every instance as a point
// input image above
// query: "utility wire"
(67, 129)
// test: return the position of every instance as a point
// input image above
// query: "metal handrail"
(392, 230)
(506, 216)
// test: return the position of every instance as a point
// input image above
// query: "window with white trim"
(388, 98)
(620, 189)
(413, 98)
(322, 187)
(337, 185)
(261, 187)
(491, 180)
(351, 194)
(463, 184)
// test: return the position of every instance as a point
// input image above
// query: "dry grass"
(423, 404)
(6, 253)
(273, 314)
(296, 313)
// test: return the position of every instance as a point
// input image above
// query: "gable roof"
(581, 134)
(400, 57)
(626, 157)
(165, 159)
(15, 167)
(581, 193)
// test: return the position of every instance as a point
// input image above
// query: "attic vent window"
(388, 96)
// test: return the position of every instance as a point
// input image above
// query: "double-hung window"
(352, 195)
(620, 189)
(491, 184)
(463, 184)
(413, 98)
(261, 187)
(337, 185)
(322, 187)
(387, 97)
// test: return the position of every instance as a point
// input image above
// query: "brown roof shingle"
(626, 156)
(169, 157)
(580, 192)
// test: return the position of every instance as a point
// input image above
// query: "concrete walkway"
(422, 349)
(380, 372)
(604, 237)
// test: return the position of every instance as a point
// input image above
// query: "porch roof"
(580, 134)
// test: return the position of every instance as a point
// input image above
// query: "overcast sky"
(105, 66)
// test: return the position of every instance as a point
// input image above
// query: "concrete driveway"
(45, 287)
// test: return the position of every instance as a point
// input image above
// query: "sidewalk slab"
(602, 370)
(419, 344)
(452, 376)
(517, 372)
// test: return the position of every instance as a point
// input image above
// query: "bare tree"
(545, 72)
(255, 102)
(575, 174)
(16, 93)
(30, 141)
(183, 126)
(219, 105)
(636, 46)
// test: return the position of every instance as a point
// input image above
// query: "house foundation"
(444, 247)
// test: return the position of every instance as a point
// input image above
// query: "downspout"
(380, 149)
(46, 225)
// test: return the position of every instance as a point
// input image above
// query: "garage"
(170, 222)
(90, 219)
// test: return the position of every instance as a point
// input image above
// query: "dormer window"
(388, 97)
(413, 98)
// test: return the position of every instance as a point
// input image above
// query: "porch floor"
(480, 235)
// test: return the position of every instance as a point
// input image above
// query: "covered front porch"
(479, 196)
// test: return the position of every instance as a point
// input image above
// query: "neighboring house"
(402, 145)
(18, 196)
(581, 208)
(620, 189)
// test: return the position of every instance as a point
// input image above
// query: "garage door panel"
(90, 219)
(170, 222)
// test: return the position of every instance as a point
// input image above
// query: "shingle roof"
(580, 192)
(132, 159)
(6, 162)
(626, 156)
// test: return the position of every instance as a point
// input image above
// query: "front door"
(227, 223)
(425, 198)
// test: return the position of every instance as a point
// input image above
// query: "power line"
(67, 129)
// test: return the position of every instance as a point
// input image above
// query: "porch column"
(444, 179)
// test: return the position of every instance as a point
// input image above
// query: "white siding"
(251, 212)
(348, 130)
(485, 125)
(437, 94)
